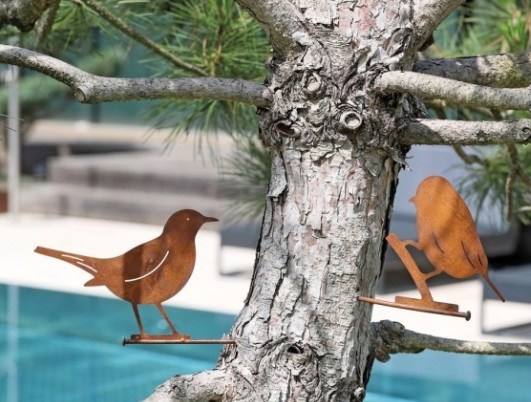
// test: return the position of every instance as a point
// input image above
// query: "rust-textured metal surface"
(136, 340)
(449, 239)
(396, 304)
(150, 273)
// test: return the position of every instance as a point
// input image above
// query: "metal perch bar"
(133, 341)
(465, 315)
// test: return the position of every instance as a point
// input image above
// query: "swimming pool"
(448, 377)
(69, 350)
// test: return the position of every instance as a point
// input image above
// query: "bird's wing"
(144, 260)
(475, 260)
(437, 242)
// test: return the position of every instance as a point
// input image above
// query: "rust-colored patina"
(448, 236)
(150, 273)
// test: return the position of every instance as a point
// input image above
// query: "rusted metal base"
(172, 339)
(410, 301)
(407, 303)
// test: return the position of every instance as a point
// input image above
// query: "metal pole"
(13, 138)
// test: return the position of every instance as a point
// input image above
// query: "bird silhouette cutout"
(447, 236)
(150, 273)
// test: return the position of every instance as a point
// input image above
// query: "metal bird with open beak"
(150, 273)
(449, 239)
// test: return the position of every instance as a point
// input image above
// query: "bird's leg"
(411, 243)
(431, 274)
(138, 320)
(416, 274)
(417, 245)
(173, 330)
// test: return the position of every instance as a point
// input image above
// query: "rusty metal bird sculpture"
(449, 239)
(150, 273)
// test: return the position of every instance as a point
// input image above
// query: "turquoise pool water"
(69, 349)
(447, 377)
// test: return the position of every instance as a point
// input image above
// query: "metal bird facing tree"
(150, 273)
(449, 239)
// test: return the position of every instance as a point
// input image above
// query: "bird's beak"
(412, 199)
(210, 219)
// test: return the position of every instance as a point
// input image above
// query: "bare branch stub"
(202, 386)
(458, 92)
(90, 88)
(497, 71)
(451, 132)
(391, 337)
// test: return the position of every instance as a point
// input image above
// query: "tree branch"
(203, 386)
(467, 158)
(22, 13)
(450, 132)
(90, 88)
(431, 87)
(281, 20)
(428, 15)
(516, 165)
(142, 39)
(391, 337)
(499, 71)
(44, 26)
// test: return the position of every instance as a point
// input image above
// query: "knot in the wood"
(296, 355)
(348, 119)
(312, 83)
(387, 339)
(524, 134)
(79, 93)
(288, 129)
(288, 370)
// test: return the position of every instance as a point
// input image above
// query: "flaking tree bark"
(339, 112)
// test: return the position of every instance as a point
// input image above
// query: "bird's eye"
(188, 219)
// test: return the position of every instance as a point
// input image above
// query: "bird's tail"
(78, 260)
(494, 288)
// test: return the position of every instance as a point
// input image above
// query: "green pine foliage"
(223, 41)
(246, 177)
(482, 28)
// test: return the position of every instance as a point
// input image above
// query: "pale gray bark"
(458, 92)
(452, 132)
(299, 337)
(392, 337)
(90, 88)
(498, 71)
(281, 20)
(22, 13)
(200, 387)
(44, 25)
(428, 15)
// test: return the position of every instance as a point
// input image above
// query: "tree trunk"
(302, 335)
